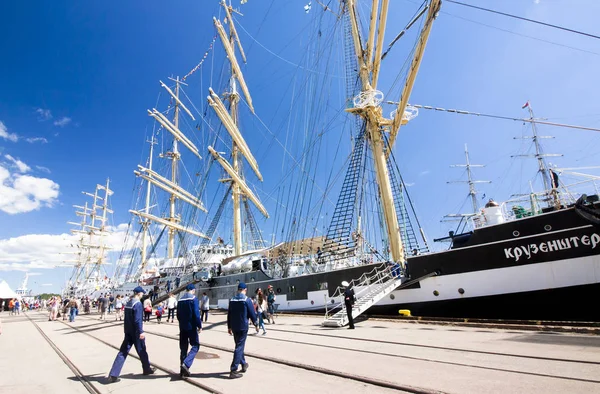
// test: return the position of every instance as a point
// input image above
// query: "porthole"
(312, 302)
(547, 227)
(333, 301)
(392, 296)
(461, 291)
(278, 290)
(516, 233)
(436, 293)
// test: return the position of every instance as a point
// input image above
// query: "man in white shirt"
(204, 307)
(171, 305)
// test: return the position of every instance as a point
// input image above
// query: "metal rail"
(162, 368)
(293, 364)
(82, 378)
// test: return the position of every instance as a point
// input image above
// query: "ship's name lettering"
(526, 251)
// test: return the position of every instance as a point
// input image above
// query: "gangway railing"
(371, 287)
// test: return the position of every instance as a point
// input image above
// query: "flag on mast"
(525, 105)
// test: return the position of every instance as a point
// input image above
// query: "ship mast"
(549, 190)
(240, 189)
(368, 103)
(171, 186)
(81, 259)
(146, 223)
(470, 181)
(97, 228)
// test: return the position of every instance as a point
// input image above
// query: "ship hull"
(543, 267)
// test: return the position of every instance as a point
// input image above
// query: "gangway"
(176, 291)
(372, 287)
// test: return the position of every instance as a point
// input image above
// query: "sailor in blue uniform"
(240, 310)
(188, 315)
(134, 335)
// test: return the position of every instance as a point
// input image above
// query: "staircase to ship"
(372, 287)
(176, 291)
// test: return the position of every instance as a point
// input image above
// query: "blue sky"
(76, 80)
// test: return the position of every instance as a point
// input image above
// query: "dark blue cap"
(242, 286)
(191, 286)
(139, 289)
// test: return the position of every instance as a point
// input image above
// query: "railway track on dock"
(78, 374)
(346, 340)
(88, 385)
(311, 368)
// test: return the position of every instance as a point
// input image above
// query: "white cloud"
(37, 139)
(43, 169)
(409, 184)
(44, 114)
(22, 167)
(424, 172)
(6, 135)
(24, 193)
(62, 122)
(47, 251)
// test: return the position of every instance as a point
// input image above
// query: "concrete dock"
(297, 355)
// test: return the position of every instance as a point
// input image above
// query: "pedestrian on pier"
(270, 304)
(160, 310)
(74, 311)
(171, 305)
(102, 306)
(147, 309)
(119, 308)
(261, 309)
(204, 307)
(188, 315)
(349, 300)
(111, 304)
(134, 336)
(240, 310)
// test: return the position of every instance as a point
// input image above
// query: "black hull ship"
(529, 268)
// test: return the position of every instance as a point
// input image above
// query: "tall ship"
(352, 222)
(89, 277)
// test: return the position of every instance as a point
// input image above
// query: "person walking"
(102, 305)
(270, 304)
(160, 310)
(119, 308)
(349, 300)
(53, 308)
(240, 310)
(65, 308)
(17, 307)
(111, 304)
(261, 309)
(204, 307)
(134, 336)
(74, 310)
(188, 315)
(171, 305)
(147, 309)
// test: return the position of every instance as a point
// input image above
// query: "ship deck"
(297, 355)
